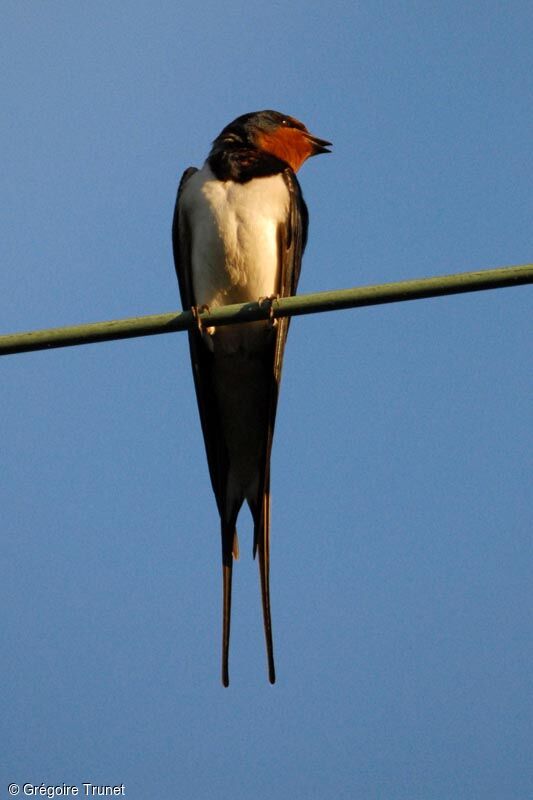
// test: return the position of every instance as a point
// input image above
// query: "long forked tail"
(262, 542)
(230, 550)
(227, 569)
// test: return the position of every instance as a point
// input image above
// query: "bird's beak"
(319, 145)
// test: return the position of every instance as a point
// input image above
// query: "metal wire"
(286, 307)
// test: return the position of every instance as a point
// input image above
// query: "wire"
(283, 307)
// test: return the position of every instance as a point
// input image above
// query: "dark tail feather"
(262, 541)
(229, 538)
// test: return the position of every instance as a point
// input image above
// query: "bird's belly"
(240, 267)
(234, 247)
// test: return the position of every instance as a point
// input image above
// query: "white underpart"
(234, 255)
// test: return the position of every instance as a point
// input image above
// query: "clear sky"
(401, 541)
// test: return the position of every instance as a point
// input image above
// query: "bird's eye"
(289, 122)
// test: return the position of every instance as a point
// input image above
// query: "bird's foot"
(269, 302)
(208, 332)
(196, 311)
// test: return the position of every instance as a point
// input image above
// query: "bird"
(238, 234)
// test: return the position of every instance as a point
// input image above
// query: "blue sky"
(401, 542)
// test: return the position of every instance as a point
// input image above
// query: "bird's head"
(278, 134)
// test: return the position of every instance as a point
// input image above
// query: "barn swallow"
(238, 234)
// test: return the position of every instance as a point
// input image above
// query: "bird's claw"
(269, 301)
(196, 311)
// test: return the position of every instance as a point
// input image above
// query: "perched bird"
(238, 234)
